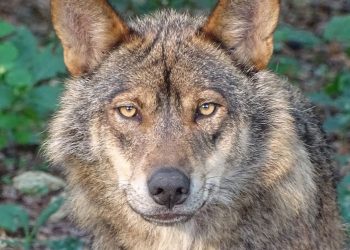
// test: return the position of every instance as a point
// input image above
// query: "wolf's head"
(169, 114)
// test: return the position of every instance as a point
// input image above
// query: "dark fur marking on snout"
(125, 143)
(216, 136)
(218, 133)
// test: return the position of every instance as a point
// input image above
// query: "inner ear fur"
(88, 29)
(245, 28)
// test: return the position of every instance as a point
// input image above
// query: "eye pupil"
(206, 109)
(128, 111)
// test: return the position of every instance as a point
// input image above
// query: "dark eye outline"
(136, 115)
(199, 115)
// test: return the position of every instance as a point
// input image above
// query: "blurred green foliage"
(29, 92)
(15, 217)
(336, 94)
(338, 30)
(338, 89)
(137, 7)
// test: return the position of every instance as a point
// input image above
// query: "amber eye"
(206, 109)
(128, 111)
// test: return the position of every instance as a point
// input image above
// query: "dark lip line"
(156, 216)
(175, 220)
(151, 217)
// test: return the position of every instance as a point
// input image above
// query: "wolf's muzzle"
(169, 187)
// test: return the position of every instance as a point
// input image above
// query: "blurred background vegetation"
(312, 50)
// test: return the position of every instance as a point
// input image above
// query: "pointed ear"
(88, 29)
(245, 28)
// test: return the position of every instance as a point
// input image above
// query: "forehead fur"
(168, 20)
(166, 44)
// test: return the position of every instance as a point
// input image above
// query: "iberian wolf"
(173, 135)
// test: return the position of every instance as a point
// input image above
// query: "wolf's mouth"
(167, 218)
(164, 216)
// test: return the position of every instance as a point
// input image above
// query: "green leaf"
(342, 160)
(18, 128)
(347, 51)
(121, 6)
(12, 243)
(44, 98)
(284, 65)
(11, 120)
(344, 83)
(142, 7)
(337, 124)
(6, 179)
(3, 141)
(27, 46)
(204, 4)
(26, 136)
(342, 103)
(344, 198)
(5, 29)
(177, 4)
(13, 217)
(46, 213)
(337, 29)
(6, 97)
(48, 63)
(19, 78)
(321, 98)
(8, 53)
(339, 89)
(289, 34)
(68, 243)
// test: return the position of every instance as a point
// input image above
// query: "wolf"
(173, 135)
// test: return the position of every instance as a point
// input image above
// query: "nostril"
(159, 191)
(156, 190)
(180, 191)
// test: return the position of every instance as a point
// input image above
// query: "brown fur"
(87, 30)
(245, 28)
(260, 168)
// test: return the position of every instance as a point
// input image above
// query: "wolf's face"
(163, 106)
(171, 125)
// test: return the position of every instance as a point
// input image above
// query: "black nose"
(169, 187)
